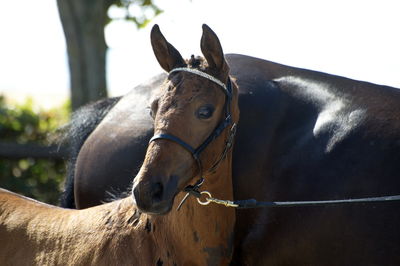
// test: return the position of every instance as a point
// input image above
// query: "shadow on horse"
(197, 107)
(303, 135)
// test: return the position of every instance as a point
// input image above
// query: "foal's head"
(192, 117)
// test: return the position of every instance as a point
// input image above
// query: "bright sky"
(354, 38)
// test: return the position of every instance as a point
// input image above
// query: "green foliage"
(37, 178)
(148, 10)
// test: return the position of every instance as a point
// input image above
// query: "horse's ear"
(167, 56)
(212, 50)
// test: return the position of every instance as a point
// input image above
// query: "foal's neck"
(196, 234)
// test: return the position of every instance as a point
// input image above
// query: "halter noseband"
(227, 89)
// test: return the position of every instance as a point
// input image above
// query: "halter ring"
(207, 199)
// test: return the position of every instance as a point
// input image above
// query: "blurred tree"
(83, 22)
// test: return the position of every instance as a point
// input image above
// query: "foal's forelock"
(197, 62)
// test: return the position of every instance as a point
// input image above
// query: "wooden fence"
(12, 150)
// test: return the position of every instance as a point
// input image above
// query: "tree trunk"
(83, 22)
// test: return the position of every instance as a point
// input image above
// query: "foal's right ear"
(167, 56)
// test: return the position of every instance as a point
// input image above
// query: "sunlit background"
(356, 39)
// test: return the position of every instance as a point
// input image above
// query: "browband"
(204, 75)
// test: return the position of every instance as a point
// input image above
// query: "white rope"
(202, 74)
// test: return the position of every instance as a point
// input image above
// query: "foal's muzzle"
(155, 197)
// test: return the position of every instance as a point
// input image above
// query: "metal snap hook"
(207, 201)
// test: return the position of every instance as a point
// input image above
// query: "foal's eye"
(151, 113)
(153, 108)
(205, 111)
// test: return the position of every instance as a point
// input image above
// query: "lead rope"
(252, 203)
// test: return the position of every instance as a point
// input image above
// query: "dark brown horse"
(304, 135)
(197, 107)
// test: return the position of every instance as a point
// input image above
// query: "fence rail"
(10, 150)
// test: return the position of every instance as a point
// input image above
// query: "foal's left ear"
(167, 55)
(212, 50)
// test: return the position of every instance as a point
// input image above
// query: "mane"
(116, 194)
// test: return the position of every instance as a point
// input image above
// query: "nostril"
(136, 193)
(158, 190)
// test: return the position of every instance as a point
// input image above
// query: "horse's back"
(35, 233)
(21, 222)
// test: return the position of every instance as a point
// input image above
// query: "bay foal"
(197, 104)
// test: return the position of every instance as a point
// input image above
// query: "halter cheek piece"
(227, 89)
